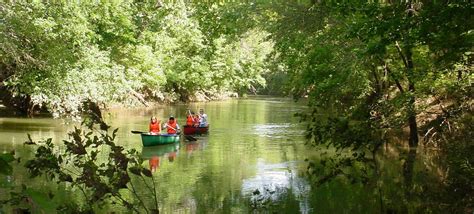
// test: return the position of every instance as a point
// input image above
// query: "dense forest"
(367, 69)
(59, 55)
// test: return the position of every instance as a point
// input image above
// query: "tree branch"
(154, 191)
(135, 193)
(389, 72)
(139, 97)
(399, 86)
(400, 52)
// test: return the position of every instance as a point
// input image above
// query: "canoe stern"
(191, 130)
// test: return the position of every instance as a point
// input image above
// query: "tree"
(361, 63)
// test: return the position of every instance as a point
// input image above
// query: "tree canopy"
(59, 55)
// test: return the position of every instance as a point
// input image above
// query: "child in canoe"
(154, 126)
(196, 120)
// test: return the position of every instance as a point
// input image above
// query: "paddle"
(138, 132)
(171, 127)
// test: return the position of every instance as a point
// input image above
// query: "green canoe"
(154, 140)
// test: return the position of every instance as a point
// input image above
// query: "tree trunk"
(413, 140)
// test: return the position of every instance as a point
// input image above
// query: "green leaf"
(42, 200)
(5, 160)
(135, 170)
(8, 157)
(5, 167)
(146, 172)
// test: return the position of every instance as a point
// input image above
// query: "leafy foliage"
(5, 160)
(100, 181)
(369, 69)
(58, 56)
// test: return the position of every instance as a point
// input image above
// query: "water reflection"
(172, 156)
(154, 163)
(153, 154)
(193, 146)
(276, 182)
(271, 130)
(408, 166)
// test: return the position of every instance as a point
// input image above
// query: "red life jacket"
(155, 127)
(171, 127)
(189, 120)
(196, 120)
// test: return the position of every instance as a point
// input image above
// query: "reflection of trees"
(404, 180)
(408, 166)
(422, 183)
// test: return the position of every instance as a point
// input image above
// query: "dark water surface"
(252, 160)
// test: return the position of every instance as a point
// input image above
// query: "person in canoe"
(190, 118)
(203, 118)
(154, 126)
(171, 126)
(196, 120)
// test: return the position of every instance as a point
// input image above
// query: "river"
(253, 159)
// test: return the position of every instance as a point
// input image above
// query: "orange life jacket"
(155, 127)
(171, 127)
(189, 120)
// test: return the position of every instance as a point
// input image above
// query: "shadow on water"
(12, 126)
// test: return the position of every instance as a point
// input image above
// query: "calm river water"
(254, 145)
